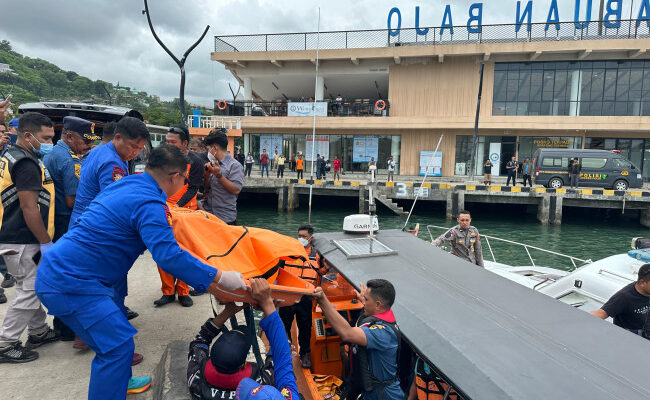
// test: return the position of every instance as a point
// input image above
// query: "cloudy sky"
(110, 39)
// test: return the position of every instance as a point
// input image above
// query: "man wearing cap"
(76, 278)
(226, 178)
(64, 164)
(13, 126)
(179, 137)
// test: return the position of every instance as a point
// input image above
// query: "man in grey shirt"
(226, 178)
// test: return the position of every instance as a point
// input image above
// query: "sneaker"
(194, 293)
(186, 301)
(3, 298)
(16, 353)
(8, 281)
(130, 314)
(49, 336)
(79, 344)
(305, 360)
(208, 332)
(137, 359)
(138, 384)
(165, 299)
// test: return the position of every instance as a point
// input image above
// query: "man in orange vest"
(179, 137)
(302, 309)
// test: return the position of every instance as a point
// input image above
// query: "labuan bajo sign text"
(612, 14)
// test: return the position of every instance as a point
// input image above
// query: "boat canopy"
(492, 338)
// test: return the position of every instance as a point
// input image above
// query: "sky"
(110, 39)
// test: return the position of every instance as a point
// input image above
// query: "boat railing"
(574, 260)
(627, 278)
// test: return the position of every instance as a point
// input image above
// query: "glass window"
(593, 162)
(621, 163)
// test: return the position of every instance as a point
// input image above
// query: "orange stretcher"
(254, 252)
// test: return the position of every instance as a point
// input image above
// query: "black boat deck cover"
(493, 338)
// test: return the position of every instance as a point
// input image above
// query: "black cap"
(81, 126)
(229, 351)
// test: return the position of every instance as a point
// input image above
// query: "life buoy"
(380, 105)
(221, 105)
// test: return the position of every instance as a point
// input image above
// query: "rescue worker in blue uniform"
(76, 277)
(64, 164)
(105, 165)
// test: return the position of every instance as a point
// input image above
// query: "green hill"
(34, 79)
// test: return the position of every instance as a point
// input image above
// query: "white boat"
(587, 286)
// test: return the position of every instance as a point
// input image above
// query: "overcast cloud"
(110, 39)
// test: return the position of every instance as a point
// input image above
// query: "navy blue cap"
(83, 127)
(250, 389)
(229, 351)
(14, 123)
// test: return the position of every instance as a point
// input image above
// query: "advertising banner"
(322, 147)
(365, 147)
(432, 161)
(495, 157)
(304, 109)
(271, 143)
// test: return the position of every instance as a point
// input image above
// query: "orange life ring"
(380, 105)
(221, 105)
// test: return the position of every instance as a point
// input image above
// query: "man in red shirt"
(264, 159)
(337, 168)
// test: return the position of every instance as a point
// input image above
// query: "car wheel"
(620, 185)
(555, 183)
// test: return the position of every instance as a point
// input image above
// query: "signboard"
(271, 143)
(365, 147)
(304, 109)
(322, 147)
(495, 157)
(549, 142)
(432, 161)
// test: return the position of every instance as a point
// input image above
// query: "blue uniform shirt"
(102, 167)
(65, 168)
(124, 220)
(382, 355)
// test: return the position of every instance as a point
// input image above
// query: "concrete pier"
(549, 202)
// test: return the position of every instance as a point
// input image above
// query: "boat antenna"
(426, 172)
(180, 63)
(313, 132)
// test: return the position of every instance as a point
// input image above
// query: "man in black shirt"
(630, 306)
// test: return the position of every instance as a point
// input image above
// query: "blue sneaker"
(138, 385)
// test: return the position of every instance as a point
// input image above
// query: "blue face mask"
(45, 148)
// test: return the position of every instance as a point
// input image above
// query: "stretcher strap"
(233, 246)
(250, 321)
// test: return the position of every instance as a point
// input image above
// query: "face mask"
(45, 148)
(212, 158)
(304, 242)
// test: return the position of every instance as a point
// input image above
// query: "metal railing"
(525, 246)
(213, 121)
(496, 33)
(279, 108)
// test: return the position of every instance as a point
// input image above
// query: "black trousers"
(527, 177)
(299, 173)
(249, 168)
(302, 312)
(280, 171)
(514, 180)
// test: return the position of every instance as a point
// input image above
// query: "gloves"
(232, 280)
(45, 247)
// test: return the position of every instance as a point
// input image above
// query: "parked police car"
(600, 168)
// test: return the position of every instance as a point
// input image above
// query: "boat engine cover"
(640, 243)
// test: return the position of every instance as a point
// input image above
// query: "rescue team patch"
(256, 390)
(286, 393)
(168, 215)
(118, 173)
(77, 171)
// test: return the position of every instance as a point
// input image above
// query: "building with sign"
(396, 91)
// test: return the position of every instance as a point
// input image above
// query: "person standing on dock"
(464, 239)
(336, 164)
(630, 306)
(226, 179)
(300, 166)
(281, 160)
(574, 172)
(487, 172)
(319, 168)
(511, 167)
(264, 162)
(391, 169)
(526, 171)
(249, 164)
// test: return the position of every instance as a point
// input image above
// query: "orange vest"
(429, 385)
(177, 196)
(306, 270)
(299, 163)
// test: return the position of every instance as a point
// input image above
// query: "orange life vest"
(306, 270)
(177, 196)
(429, 385)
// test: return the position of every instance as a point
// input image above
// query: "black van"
(600, 168)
